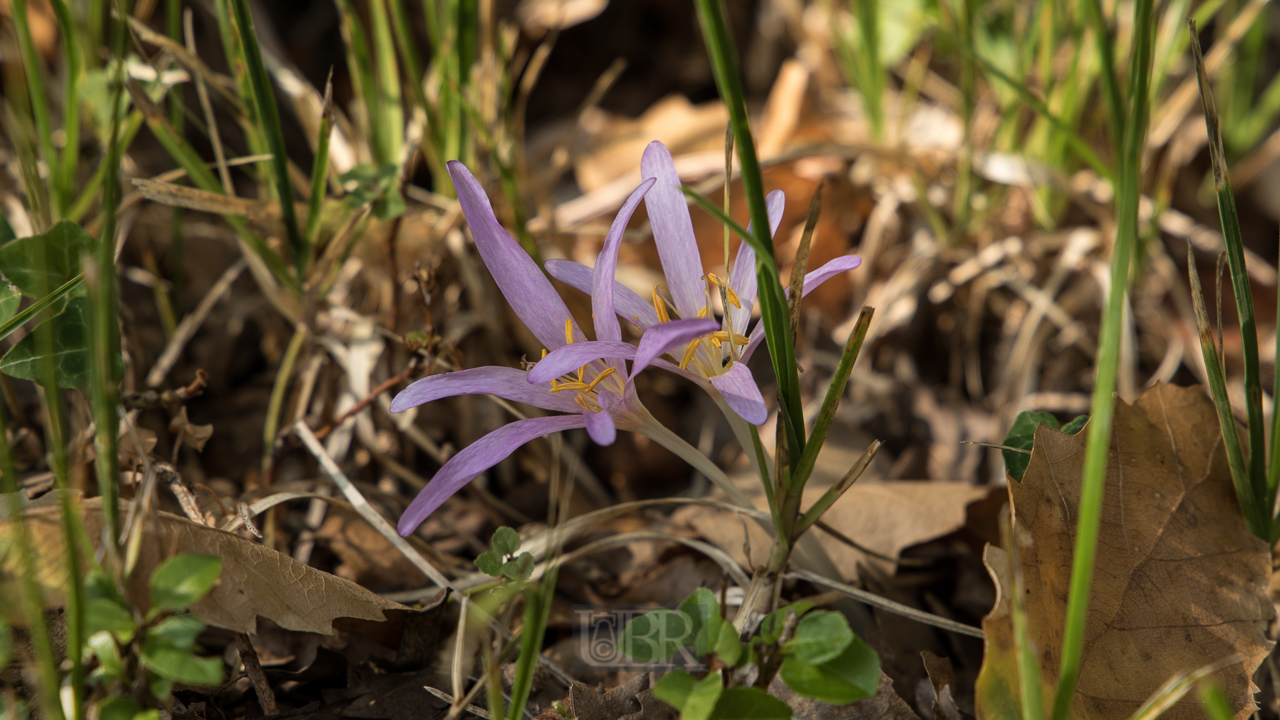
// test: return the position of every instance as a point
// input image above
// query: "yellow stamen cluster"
(714, 281)
(580, 385)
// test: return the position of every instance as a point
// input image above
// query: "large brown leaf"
(256, 581)
(1179, 583)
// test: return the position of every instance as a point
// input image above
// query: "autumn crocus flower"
(594, 393)
(714, 358)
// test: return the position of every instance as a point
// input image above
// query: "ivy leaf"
(771, 626)
(1022, 436)
(61, 248)
(853, 675)
(179, 631)
(728, 646)
(820, 636)
(9, 300)
(103, 614)
(70, 356)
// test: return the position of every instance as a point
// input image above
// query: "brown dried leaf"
(1179, 583)
(256, 580)
(192, 435)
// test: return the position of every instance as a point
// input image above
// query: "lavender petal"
(626, 303)
(602, 282)
(812, 280)
(742, 394)
(673, 230)
(523, 285)
(660, 338)
(568, 358)
(600, 427)
(507, 383)
(743, 276)
(478, 457)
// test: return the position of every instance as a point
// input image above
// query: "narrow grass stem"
(1098, 444)
(38, 96)
(283, 375)
(773, 303)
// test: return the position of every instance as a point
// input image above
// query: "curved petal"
(693, 377)
(743, 276)
(602, 282)
(626, 302)
(523, 285)
(673, 230)
(812, 280)
(742, 394)
(600, 427)
(568, 358)
(660, 338)
(478, 457)
(506, 383)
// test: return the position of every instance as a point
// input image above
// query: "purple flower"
(593, 391)
(711, 354)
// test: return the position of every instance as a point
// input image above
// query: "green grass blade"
(391, 110)
(1106, 56)
(268, 114)
(1257, 519)
(22, 317)
(69, 159)
(773, 305)
(320, 170)
(1098, 444)
(1262, 482)
(38, 95)
(835, 391)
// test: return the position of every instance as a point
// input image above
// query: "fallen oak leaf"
(1179, 582)
(256, 581)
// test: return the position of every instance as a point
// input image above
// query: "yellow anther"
(715, 280)
(606, 373)
(544, 353)
(581, 402)
(688, 354)
(568, 331)
(571, 385)
(726, 336)
(733, 297)
(702, 312)
(660, 305)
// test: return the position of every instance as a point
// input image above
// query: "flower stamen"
(660, 305)
(689, 352)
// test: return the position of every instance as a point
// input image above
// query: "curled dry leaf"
(256, 581)
(1179, 583)
(192, 435)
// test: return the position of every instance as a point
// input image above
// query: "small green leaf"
(854, 675)
(656, 635)
(703, 611)
(728, 647)
(179, 631)
(750, 703)
(183, 579)
(180, 665)
(161, 687)
(520, 568)
(701, 701)
(506, 541)
(103, 614)
(61, 248)
(490, 563)
(104, 647)
(118, 707)
(819, 637)
(1076, 425)
(1022, 436)
(9, 300)
(70, 357)
(674, 688)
